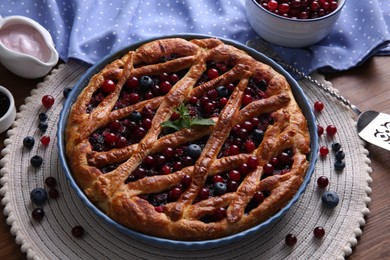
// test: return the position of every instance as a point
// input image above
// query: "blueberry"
(28, 142)
(42, 116)
(146, 83)
(43, 126)
(339, 165)
(193, 151)
(222, 91)
(330, 199)
(135, 116)
(257, 135)
(336, 147)
(262, 85)
(220, 188)
(36, 161)
(66, 92)
(340, 155)
(38, 196)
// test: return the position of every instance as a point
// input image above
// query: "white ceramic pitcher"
(26, 47)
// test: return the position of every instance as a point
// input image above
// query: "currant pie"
(187, 140)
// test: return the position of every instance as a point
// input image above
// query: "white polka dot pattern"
(89, 30)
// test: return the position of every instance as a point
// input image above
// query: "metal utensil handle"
(325, 88)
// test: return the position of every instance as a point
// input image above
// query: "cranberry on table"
(319, 106)
(324, 151)
(290, 239)
(319, 232)
(78, 231)
(320, 130)
(322, 181)
(331, 130)
(54, 193)
(45, 140)
(47, 101)
(38, 214)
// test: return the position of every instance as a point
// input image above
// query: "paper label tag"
(378, 131)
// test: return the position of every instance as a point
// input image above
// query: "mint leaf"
(171, 124)
(185, 120)
(202, 121)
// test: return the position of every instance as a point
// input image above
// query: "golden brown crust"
(184, 218)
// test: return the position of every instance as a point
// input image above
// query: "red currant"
(132, 83)
(159, 209)
(108, 86)
(45, 140)
(324, 151)
(174, 194)
(220, 213)
(331, 130)
(268, 168)
(246, 99)
(318, 106)
(319, 232)
(322, 181)
(47, 101)
(249, 146)
(252, 162)
(109, 138)
(234, 175)
(165, 87)
(212, 73)
(217, 178)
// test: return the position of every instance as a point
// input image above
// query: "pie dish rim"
(299, 96)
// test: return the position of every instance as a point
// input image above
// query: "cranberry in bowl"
(293, 23)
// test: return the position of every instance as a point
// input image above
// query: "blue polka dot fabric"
(88, 30)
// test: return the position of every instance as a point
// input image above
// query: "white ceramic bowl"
(289, 32)
(20, 63)
(9, 117)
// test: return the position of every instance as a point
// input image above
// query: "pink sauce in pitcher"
(25, 39)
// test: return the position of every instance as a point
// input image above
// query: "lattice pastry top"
(187, 140)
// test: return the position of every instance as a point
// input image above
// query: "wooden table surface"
(367, 86)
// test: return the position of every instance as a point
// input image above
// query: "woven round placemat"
(51, 238)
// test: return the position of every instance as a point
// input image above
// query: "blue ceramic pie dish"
(299, 96)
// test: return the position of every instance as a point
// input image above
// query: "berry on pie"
(187, 140)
